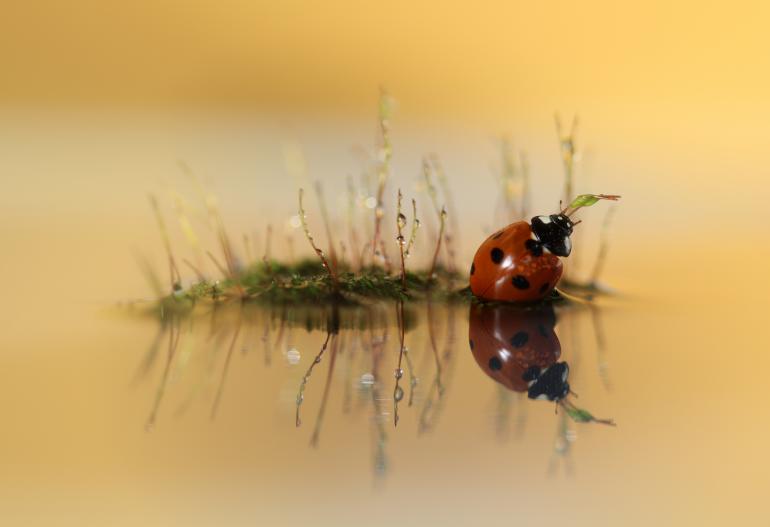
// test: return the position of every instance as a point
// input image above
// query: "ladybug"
(520, 263)
(519, 349)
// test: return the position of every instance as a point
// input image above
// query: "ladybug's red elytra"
(520, 263)
(519, 349)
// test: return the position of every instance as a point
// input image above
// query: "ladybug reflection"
(519, 349)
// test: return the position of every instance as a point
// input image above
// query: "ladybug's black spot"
(495, 363)
(470, 343)
(473, 268)
(532, 373)
(520, 282)
(519, 339)
(534, 246)
(497, 255)
(496, 236)
(543, 288)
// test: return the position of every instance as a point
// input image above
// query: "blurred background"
(100, 102)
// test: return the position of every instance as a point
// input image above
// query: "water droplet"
(367, 379)
(300, 398)
(293, 356)
(398, 373)
(317, 359)
(295, 222)
(370, 202)
(398, 394)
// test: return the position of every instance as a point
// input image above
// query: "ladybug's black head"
(553, 232)
(549, 384)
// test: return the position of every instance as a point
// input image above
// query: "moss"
(307, 283)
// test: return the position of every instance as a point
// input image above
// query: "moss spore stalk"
(383, 167)
(442, 223)
(400, 225)
(175, 277)
(303, 219)
(415, 226)
(567, 149)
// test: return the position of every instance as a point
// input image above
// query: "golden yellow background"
(98, 102)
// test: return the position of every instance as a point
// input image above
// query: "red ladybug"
(519, 349)
(514, 265)
(520, 263)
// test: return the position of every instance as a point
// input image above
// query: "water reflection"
(382, 364)
(513, 346)
(519, 349)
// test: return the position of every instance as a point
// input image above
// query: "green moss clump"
(308, 282)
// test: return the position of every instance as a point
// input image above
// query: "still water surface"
(131, 421)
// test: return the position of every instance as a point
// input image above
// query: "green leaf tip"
(579, 415)
(586, 200)
(584, 416)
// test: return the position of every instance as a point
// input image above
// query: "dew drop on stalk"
(398, 394)
(398, 373)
